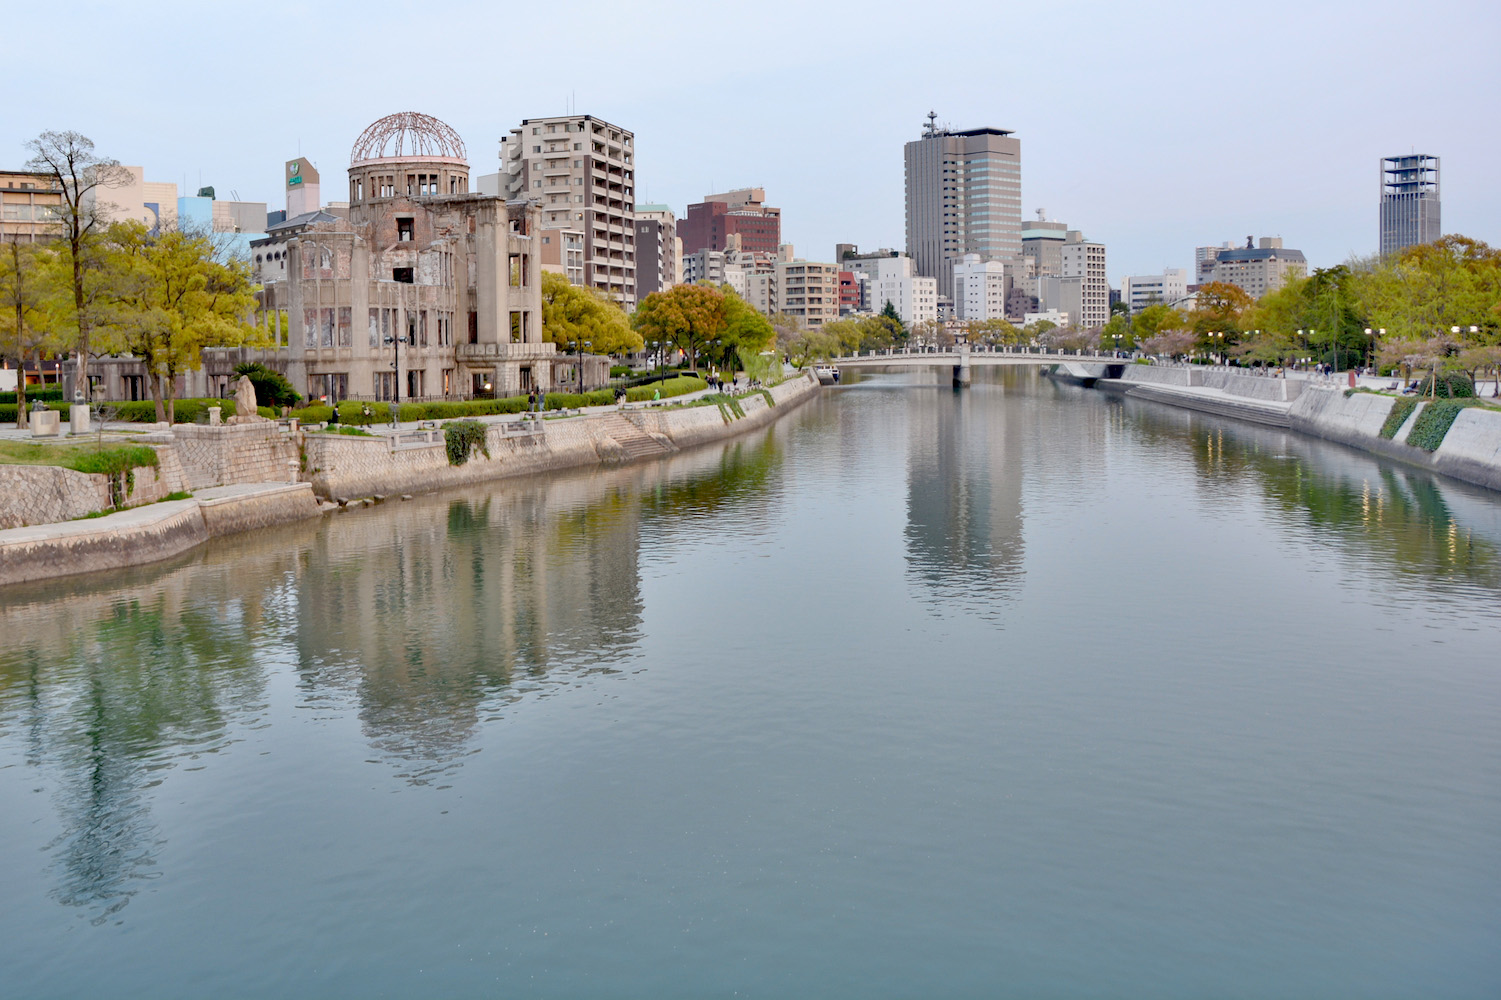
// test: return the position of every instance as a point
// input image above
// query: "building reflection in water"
(427, 618)
(965, 472)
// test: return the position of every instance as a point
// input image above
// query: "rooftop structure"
(1409, 201)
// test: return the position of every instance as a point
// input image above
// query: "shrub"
(669, 387)
(1451, 385)
(620, 371)
(572, 400)
(1432, 424)
(271, 387)
(8, 410)
(461, 437)
(45, 395)
(1400, 411)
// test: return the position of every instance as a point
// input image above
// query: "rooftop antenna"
(932, 127)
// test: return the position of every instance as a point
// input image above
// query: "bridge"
(962, 358)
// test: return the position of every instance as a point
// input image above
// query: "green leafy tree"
(1154, 319)
(82, 176)
(176, 295)
(900, 334)
(686, 316)
(573, 317)
(271, 387)
(24, 327)
(746, 331)
(1116, 333)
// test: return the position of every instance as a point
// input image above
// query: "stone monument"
(245, 403)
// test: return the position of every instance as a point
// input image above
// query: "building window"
(402, 274)
(404, 229)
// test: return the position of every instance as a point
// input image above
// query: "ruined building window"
(473, 327)
(402, 274)
(404, 229)
(453, 185)
(344, 323)
(359, 190)
(422, 329)
(374, 327)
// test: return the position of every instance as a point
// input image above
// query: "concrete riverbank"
(1470, 450)
(228, 468)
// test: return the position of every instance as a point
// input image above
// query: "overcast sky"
(1154, 127)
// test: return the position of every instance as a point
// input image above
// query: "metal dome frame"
(408, 135)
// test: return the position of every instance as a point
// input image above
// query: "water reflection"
(426, 618)
(1409, 520)
(105, 702)
(965, 472)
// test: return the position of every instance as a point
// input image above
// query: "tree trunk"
(156, 396)
(171, 394)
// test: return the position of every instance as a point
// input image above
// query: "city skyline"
(1142, 127)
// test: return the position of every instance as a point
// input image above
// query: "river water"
(1022, 691)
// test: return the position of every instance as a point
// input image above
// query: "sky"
(1153, 127)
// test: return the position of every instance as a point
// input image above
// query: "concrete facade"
(891, 277)
(1141, 290)
(980, 289)
(743, 213)
(963, 194)
(1260, 269)
(808, 292)
(582, 172)
(658, 250)
(1410, 211)
(29, 202)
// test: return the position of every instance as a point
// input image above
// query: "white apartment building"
(892, 278)
(1141, 290)
(583, 171)
(1086, 290)
(980, 288)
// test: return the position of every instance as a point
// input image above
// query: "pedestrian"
(656, 395)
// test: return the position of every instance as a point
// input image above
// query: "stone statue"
(245, 402)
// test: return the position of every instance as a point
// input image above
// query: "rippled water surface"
(1019, 691)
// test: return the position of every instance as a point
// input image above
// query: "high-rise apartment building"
(657, 254)
(1204, 258)
(963, 196)
(808, 292)
(1086, 290)
(1409, 201)
(583, 171)
(709, 224)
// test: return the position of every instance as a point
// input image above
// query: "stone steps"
(635, 442)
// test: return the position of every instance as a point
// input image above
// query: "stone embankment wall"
(189, 457)
(349, 466)
(225, 454)
(146, 534)
(1471, 450)
(1246, 386)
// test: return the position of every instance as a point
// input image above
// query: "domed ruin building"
(421, 290)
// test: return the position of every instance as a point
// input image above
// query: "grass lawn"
(80, 457)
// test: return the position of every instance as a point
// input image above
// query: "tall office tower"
(583, 173)
(963, 196)
(1409, 201)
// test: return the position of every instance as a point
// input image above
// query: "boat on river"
(827, 374)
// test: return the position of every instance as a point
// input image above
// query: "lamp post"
(1216, 343)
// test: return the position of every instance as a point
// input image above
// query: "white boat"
(827, 374)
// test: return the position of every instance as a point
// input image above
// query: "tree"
(1173, 343)
(23, 323)
(993, 331)
(1154, 319)
(79, 173)
(1429, 289)
(1036, 331)
(573, 316)
(176, 297)
(686, 316)
(1220, 308)
(1117, 332)
(271, 387)
(746, 330)
(899, 336)
(880, 332)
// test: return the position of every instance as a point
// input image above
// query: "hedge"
(573, 400)
(8, 410)
(1397, 416)
(1432, 424)
(678, 386)
(45, 395)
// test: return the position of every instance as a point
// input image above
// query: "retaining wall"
(351, 466)
(146, 534)
(42, 494)
(222, 454)
(1471, 450)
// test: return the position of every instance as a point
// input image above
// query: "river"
(1021, 690)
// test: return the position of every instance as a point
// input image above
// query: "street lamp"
(1213, 342)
